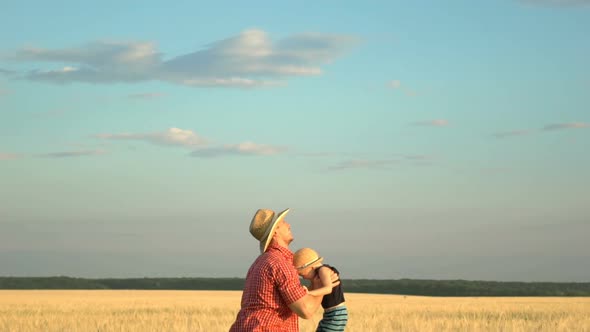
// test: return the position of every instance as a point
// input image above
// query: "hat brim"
(264, 244)
(308, 264)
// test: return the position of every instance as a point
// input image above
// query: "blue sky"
(419, 140)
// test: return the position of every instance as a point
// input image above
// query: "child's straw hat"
(305, 257)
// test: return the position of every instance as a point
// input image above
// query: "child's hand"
(306, 290)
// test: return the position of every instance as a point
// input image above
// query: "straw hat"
(263, 225)
(305, 257)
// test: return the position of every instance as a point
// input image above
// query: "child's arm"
(325, 283)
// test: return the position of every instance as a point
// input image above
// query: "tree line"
(398, 286)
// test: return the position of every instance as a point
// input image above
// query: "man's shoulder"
(271, 266)
(274, 261)
(269, 258)
(275, 257)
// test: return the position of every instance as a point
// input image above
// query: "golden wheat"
(135, 311)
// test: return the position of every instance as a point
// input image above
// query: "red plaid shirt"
(272, 284)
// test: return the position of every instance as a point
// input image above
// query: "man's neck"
(279, 243)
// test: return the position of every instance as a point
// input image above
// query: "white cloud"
(570, 125)
(71, 154)
(67, 69)
(171, 137)
(250, 59)
(363, 164)
(235, 82)
(253, 148)
(395, 84)
(432, 123)
(200, 146)
(99, 54)
(511, 133)
(8, 156)
(245, 148)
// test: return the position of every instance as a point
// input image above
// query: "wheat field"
(135, 311)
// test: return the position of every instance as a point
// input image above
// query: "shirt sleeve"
(288, 283)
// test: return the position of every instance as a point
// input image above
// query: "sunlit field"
(211, 311)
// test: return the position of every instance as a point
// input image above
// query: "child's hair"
(305, 257)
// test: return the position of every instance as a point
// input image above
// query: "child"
(309, 266)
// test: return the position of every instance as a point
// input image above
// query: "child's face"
(306, 273)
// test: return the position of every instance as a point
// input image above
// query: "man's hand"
(317, 281)
(306, 306)
(335, 278)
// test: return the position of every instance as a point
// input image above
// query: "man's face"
(284, 231)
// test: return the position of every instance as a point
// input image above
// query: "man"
(273, 297)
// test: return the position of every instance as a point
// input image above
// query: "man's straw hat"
(305, 257)
(263, 225)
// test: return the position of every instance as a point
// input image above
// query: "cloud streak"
(73, 154)
(250, 59)
(363, 164)
(7, 72)
(170, 137)
(562, 126)
(397, 85)
(432, 123)
(549, 127)
(511, 133)
(394, 84)
(416, 157)
(245, 149)
(8, 156)
(200, 146)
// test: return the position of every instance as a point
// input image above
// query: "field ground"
(135, 311)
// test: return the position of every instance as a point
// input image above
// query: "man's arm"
(306, 306)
